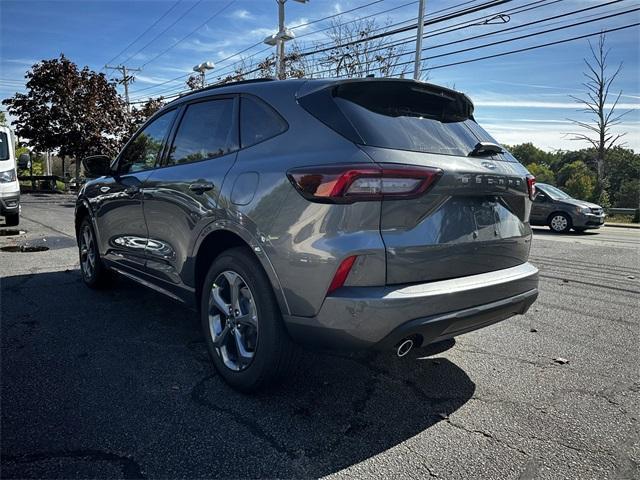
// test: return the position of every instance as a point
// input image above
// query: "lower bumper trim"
(441, 327)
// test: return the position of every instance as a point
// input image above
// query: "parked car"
(561, 212)
(368, 213)
(9, 186)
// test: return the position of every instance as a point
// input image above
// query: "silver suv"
(342, 214)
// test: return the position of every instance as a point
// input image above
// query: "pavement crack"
(486, 435)
(198, 396)
(130, 468)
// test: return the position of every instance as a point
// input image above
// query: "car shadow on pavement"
(118, 383)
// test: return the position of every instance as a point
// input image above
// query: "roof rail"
(220, 85)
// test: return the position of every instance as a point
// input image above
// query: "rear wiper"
(485, 148)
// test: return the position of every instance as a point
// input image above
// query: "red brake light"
(342, 273)
(531, 186)
(356, 183)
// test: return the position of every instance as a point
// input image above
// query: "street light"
(283, 35)
(201, 69)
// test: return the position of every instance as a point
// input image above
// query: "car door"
(121, 227)
(541, 208)
(183, 196)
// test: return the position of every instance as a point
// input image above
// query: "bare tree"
(603, 114)
(354, 55)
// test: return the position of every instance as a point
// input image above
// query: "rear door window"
(207, 130)
(258, 121)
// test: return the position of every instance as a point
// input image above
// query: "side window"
(143, 151)
(205, 131)
(258, 121)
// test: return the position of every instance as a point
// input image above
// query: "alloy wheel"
(559, 223)
(87, 252)
(233, 320)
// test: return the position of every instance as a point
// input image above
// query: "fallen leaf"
(533, 330)
(561, 360)
(443, 416)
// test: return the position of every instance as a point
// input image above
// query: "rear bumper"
(9, 203)
(365, 317)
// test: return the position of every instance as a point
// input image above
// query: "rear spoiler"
(382, 94)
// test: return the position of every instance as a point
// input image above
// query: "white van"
(9, 186)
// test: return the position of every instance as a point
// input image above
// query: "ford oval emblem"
(489, 165)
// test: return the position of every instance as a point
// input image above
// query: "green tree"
(628, 196)
(3, 119)
(77, 112)
(542, 173)
(578, 180)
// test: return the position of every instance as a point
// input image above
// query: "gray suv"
(342, 214)
(561, 212)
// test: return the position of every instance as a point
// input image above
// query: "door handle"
(201, 187)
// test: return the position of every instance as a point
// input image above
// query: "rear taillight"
(531, 186)
(356, 183)
(341, 273)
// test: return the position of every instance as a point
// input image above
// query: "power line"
(147, 29)
(360, 7)
(492, 43)
(496, 32)
(526, 49)
(165, 30)
(386, 27)
(190, 33)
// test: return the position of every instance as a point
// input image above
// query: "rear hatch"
(474, 219)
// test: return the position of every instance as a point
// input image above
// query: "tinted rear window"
(4, 146)
(402, 116)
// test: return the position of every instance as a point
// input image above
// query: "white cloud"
(241, 14)
(550, 135)
(543, 104)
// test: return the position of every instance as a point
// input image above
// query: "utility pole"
(126, 79)
(280, 38)
(418, 61)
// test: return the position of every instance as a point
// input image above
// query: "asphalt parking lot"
(117, 383)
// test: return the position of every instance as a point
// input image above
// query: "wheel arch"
(218, 238)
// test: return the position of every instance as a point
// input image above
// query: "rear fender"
(254, 243)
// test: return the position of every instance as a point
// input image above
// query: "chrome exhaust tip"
(404, 347)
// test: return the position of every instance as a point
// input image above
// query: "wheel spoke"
(248, 319)
(235, 281)
(221, 339)
(217, 301)
(244, 356)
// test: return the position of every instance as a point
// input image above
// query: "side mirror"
(24, 161)
(96, 166)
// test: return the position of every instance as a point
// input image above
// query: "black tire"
(274, 350)
(560, 222)
(99, 276)
(12, 219)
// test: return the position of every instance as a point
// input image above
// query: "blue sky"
(518, 98)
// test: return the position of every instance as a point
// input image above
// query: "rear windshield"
(406, 130)
(402, 116)
(4, 146)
